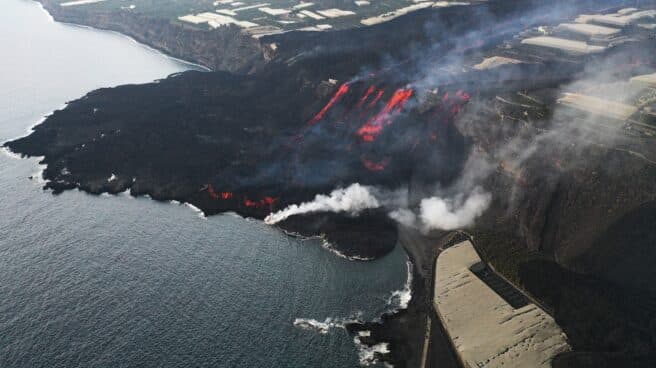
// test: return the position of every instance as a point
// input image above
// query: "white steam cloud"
(434, 213)
(353, 200)
(453, 213)
(437, 213)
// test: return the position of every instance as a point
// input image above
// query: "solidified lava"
(370, 235)
(386, 145)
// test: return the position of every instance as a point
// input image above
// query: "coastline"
(398, 328)
(132, 39)
(384, 331)
(7, 151)
(241, 54)
(405, 329)
(408, 323)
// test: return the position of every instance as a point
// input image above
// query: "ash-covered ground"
(476, 118)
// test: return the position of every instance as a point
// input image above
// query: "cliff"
(223, 48)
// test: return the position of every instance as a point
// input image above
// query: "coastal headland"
(438, 98)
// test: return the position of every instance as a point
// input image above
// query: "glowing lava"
(372, 129)
(343, 89)
(451, 105)
(264, 202)
(211, 192)
(375, 166)
(379, 95)
(214, 195)
(366, 96)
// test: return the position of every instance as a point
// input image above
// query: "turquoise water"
(113, 281)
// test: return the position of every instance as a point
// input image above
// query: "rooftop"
(260, 17)
(648, 80)
(598, 106)
(563, 44)
(484, 328)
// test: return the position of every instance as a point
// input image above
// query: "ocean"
(116, 281)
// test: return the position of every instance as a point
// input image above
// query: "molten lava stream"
(343, 89)
(366, 96)
(214, 195)
(376, 99)
(375, 166)
(249, 203)
(211, 192)
(370, 130)
(265, 202)
(451, 106)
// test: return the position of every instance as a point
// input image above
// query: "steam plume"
(453, 213)
(353, 199)
(434, 212)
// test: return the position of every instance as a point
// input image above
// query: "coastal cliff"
(224, 48)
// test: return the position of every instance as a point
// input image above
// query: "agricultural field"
(265, 17)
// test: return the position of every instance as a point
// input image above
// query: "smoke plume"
(445, 213)
(352, 199)
(508, 149)
(453, 213)
(434, 213)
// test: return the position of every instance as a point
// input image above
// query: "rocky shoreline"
(405, 329)
(369, 236)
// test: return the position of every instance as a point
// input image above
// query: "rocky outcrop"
(370, 235)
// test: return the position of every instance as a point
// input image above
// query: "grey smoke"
(463, 202)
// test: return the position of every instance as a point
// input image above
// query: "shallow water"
(100, 281)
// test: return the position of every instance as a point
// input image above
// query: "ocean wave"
(400, 299)
(38, 175)
(232, 214)
(368, 355)
(125, 193)
(325, 244)
(198, 211)
(9, 153)
(322, 327)
(318, 326)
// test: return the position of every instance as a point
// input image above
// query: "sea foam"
(368, 355)
(400, 299)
